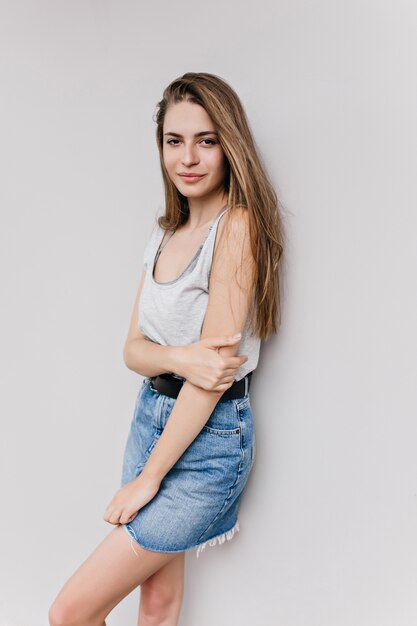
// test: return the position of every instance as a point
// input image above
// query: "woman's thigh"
(110, 573)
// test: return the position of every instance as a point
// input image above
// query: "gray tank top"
(172, 313)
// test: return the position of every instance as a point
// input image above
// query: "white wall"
(329, 516)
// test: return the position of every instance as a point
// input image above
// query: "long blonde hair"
(247, 186)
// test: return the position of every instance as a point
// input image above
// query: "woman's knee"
(159, 602)
(59, 614)
(66, 611)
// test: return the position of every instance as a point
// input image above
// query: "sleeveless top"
(172, 313)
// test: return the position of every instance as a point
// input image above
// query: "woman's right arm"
(199, 362)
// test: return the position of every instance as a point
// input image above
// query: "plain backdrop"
(329, 516)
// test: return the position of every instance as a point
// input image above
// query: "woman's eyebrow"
(201, 134)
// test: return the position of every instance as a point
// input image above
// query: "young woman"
(208, 295)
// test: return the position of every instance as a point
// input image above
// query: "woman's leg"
(162, 593)
(109, 574)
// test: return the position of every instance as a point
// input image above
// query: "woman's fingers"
(233, 363)
(119, 517)
(208, 369)
(130, 498)
(217, 342)
(241, 358)
(225, 383)
(225, 377)
(127, 516)
(112, 515)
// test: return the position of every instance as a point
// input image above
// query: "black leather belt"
(170, 386)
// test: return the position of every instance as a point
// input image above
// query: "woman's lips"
(191, 178)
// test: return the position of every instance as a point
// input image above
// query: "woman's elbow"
(127, 355)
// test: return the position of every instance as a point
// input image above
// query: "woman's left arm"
(227, 310)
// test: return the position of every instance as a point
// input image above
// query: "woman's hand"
(129, 499)
(203, 366)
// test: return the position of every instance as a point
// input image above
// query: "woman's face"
(192, 155)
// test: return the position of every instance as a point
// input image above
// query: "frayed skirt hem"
(227, 535)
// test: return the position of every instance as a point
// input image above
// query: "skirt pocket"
(222, 432)
(155, 436)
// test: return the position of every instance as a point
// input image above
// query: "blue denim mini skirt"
(198, 499)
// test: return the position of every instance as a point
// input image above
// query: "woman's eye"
(206, 142)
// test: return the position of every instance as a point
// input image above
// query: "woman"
(191, 444)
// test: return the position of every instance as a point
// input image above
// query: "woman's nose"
(189, 155)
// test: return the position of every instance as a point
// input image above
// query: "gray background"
(329, 518)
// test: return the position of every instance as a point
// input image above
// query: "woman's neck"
(203, 213)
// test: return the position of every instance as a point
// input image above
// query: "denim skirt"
(198, 499)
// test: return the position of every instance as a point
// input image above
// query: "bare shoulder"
(235, 223)
(230, 284)
(232, 249)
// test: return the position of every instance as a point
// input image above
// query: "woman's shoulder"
(234, 229)
(235, 221)
(232, 251)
